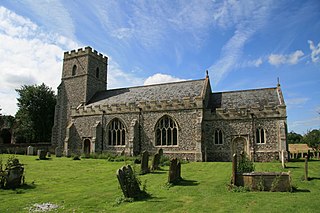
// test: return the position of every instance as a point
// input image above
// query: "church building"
(185, 119)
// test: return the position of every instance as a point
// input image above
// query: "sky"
(243, 44)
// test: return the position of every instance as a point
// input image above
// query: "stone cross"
(174, 171)
(128, 182)
(144, 163)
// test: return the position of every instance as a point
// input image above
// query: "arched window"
(74, 70)
(218, 136)
(166, 132)
(260, 135)
(116, 133)
(97, 72)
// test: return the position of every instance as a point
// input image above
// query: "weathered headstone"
(144, 163)
(155, 162)
(234, 169)
(128, 182)
(30, 150)
(58, 152)
(41, 154)
(13, 176)
(174, 171)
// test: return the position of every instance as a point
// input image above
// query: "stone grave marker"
(156, 162)
(58, 152)
(144, 163)
(41, 154)
(30, 150)
(128, 182)
(174, 171)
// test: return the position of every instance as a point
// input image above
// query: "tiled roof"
(168, 91)
(245, 98)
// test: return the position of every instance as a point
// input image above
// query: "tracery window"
(74, 70)
(218, 136)
(260, 135)
(166, 132)
(116, 133)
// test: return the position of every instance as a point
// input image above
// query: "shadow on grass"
(292, 167)
(158, 172)
(184, 182)
(300, 190)
(313, 178)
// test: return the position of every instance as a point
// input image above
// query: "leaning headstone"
(155, 162)
(128, 182)
(58, 152)
(144, 163)
(174, 171)
(30, 150)
(41, 154)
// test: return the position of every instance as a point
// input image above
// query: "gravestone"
(58, 152)
(283, 160)
(174, 171)
(30, 150)
(160, 152)
(128, 182)
(41, 154)
(155, 162)
(49, 154)
(144, 163)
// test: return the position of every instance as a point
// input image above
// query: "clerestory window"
(166, 132)
(260, 136)
(218, 136)
(116, 133)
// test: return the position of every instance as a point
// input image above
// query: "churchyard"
(91, 185)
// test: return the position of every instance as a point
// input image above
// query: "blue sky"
(243, 44)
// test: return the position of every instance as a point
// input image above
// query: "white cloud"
(246, 18)
(315, 51)
(296, 102)
(161, 78)
(302, 126)
(278, 59)
(29, 55)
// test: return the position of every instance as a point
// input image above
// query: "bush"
(245, 164)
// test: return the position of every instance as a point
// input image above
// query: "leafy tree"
(294, 137)
(312, 138)
(35, 116)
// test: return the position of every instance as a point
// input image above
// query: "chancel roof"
(168, 91)
(245, 98)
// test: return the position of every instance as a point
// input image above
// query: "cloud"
(29, 55)
(278, 59)
(303, 126)
(315, 51)
(246, 18)
(161, 78)
(296, 102)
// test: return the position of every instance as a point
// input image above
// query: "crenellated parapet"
(83, 52)
(132, 107)
(268, 111)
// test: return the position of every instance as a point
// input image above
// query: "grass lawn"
(90, 185)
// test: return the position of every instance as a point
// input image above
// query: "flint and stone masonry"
(184, 119)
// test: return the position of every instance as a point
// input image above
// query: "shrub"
(245, 164)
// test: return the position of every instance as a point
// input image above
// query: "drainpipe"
(102, 126)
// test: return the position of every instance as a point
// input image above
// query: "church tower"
(84, 74)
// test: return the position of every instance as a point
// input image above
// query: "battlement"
(146, 106)
(84, 51)
(268, 111)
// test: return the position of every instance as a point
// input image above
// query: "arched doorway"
(239, 145)
(87, 146)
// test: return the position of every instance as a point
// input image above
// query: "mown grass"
(90, 185)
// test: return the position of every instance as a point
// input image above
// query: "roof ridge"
(246, 90)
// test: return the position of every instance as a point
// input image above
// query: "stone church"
(186, 119)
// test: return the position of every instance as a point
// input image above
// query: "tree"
(312, 138)
(35, 116)
(294, 138)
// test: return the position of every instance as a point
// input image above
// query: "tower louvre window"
(74, 70)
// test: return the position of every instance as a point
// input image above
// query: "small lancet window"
(218, 136)
(260, 136)
(74, 70)
(97, 72)
(166, 132)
